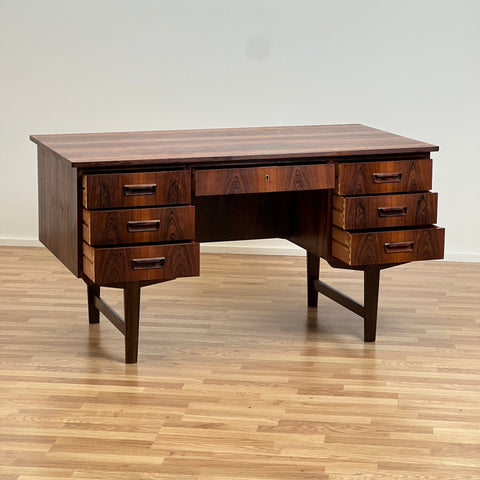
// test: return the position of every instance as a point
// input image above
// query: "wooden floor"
(237, 379)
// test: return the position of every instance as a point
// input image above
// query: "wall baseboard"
(274, 246)
(462, 257)
(20, 242)
(289, 249)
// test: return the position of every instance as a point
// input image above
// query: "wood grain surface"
(58, 213)
(383, 177)
(231, 181)
(388, 246)
(312, 229)
(105, 266)
(217, 145)
(117, 190)
(238, 379)
(138, 225)
(243, 217)
(383, 211)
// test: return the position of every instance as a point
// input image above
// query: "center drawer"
(276, 178)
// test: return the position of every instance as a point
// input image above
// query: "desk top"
(171, 147)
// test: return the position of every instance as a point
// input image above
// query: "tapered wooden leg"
(313, 268)
(371, 277)
(93, 313)
(131, 299)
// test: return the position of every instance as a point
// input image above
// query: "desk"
(127, 210)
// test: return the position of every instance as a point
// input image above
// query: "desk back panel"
(243, 217)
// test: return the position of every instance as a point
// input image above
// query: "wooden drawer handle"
(398, 247)
(143, 226)
(387, 177)
(129, 190)
(148, 263)
(392, 211)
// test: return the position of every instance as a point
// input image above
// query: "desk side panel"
(312, 222)
(58, 214)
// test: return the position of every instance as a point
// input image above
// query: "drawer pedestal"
(383, 214)
(138, 229)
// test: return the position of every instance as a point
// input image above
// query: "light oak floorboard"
(238, 379)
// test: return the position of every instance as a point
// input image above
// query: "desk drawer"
(383, 177)
(107, 266)
(230, 181)
(138, 189)
(388, 246)
(383, 211)
(139, 225)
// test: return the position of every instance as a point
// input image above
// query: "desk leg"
(93, 312)
(371, 277)
(313, 269)
(131, 299)
(368, 311)
(128, 325)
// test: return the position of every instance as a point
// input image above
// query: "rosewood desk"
(128, 210)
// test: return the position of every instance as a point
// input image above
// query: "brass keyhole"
(267, 178)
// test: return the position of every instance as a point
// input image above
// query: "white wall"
(408, 66)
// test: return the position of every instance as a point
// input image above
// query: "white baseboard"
(273, 246)
(283, 247)
(20, 242)
(462, 257)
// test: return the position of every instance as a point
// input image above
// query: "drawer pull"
(387, 177)
(398, 247)
(143, 226)
(392, 211)
(147, 263)
(129, 190)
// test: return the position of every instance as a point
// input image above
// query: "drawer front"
(230, 181)
(140, 225)
(383, 211)
(394, 246)
(108, 266)
(383, 177)
(138, 189)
